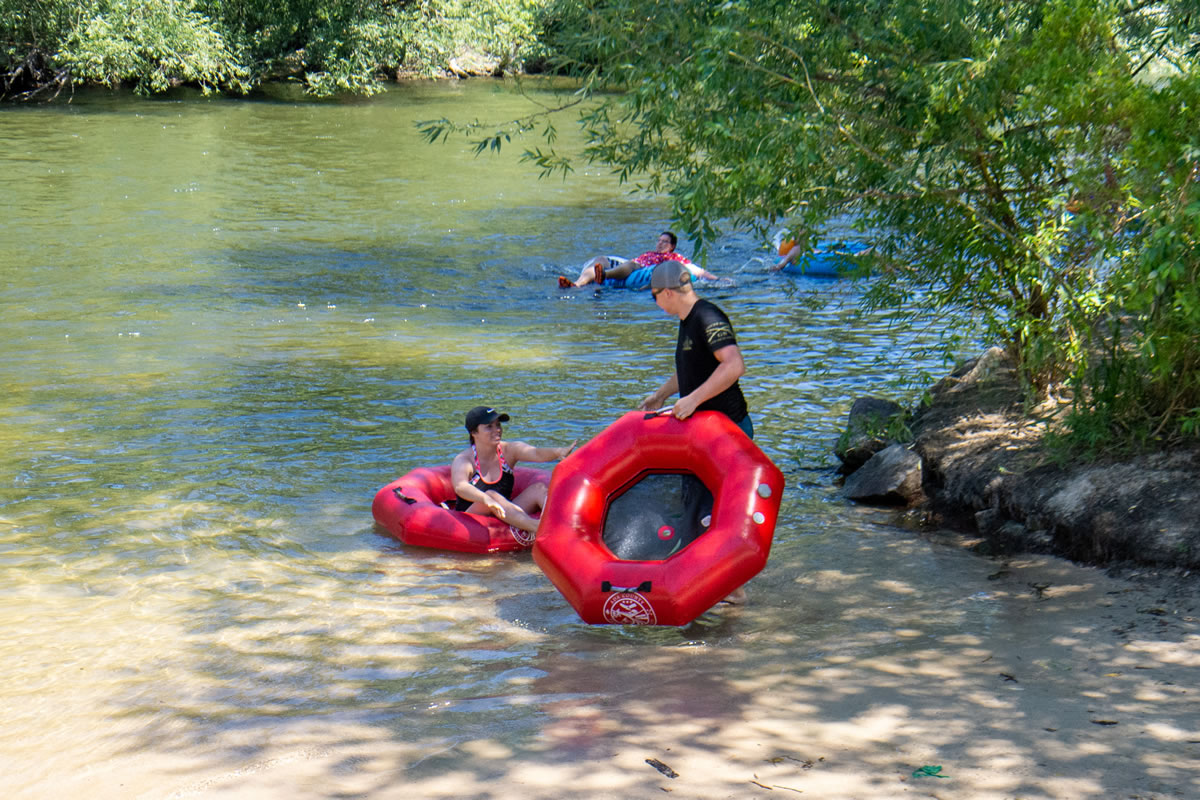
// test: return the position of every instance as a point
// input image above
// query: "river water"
(227, 323)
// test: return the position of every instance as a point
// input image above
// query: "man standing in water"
(708, 362)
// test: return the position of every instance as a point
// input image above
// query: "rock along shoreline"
(977, 463)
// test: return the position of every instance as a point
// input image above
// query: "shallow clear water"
(227, 323)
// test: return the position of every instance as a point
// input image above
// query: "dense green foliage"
(233, 45)
(1032, 163)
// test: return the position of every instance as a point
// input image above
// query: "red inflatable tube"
(604, 589)
(410, 508)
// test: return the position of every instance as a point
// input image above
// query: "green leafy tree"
(154, 44)
(48, 45)
(332, 46)
(1030, 163)
(30, 31)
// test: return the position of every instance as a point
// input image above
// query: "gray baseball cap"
(670, 275)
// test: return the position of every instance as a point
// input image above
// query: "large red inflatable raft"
(411, 509)
(605, 589)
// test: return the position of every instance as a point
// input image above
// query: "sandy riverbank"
(1029, 678)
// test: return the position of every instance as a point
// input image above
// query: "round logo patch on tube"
(524, 537)
(629, 608)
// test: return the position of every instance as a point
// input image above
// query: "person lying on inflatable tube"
(483, 473)
(633, 273)
(790, 251)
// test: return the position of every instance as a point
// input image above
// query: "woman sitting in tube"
(483, 474)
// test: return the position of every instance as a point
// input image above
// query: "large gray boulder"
(892, 477)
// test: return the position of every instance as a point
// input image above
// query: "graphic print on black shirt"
(706, 330)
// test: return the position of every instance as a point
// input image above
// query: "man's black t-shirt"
(706, 330)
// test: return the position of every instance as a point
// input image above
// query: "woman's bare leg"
(533, 499)
(526, 504)
(514, 514)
